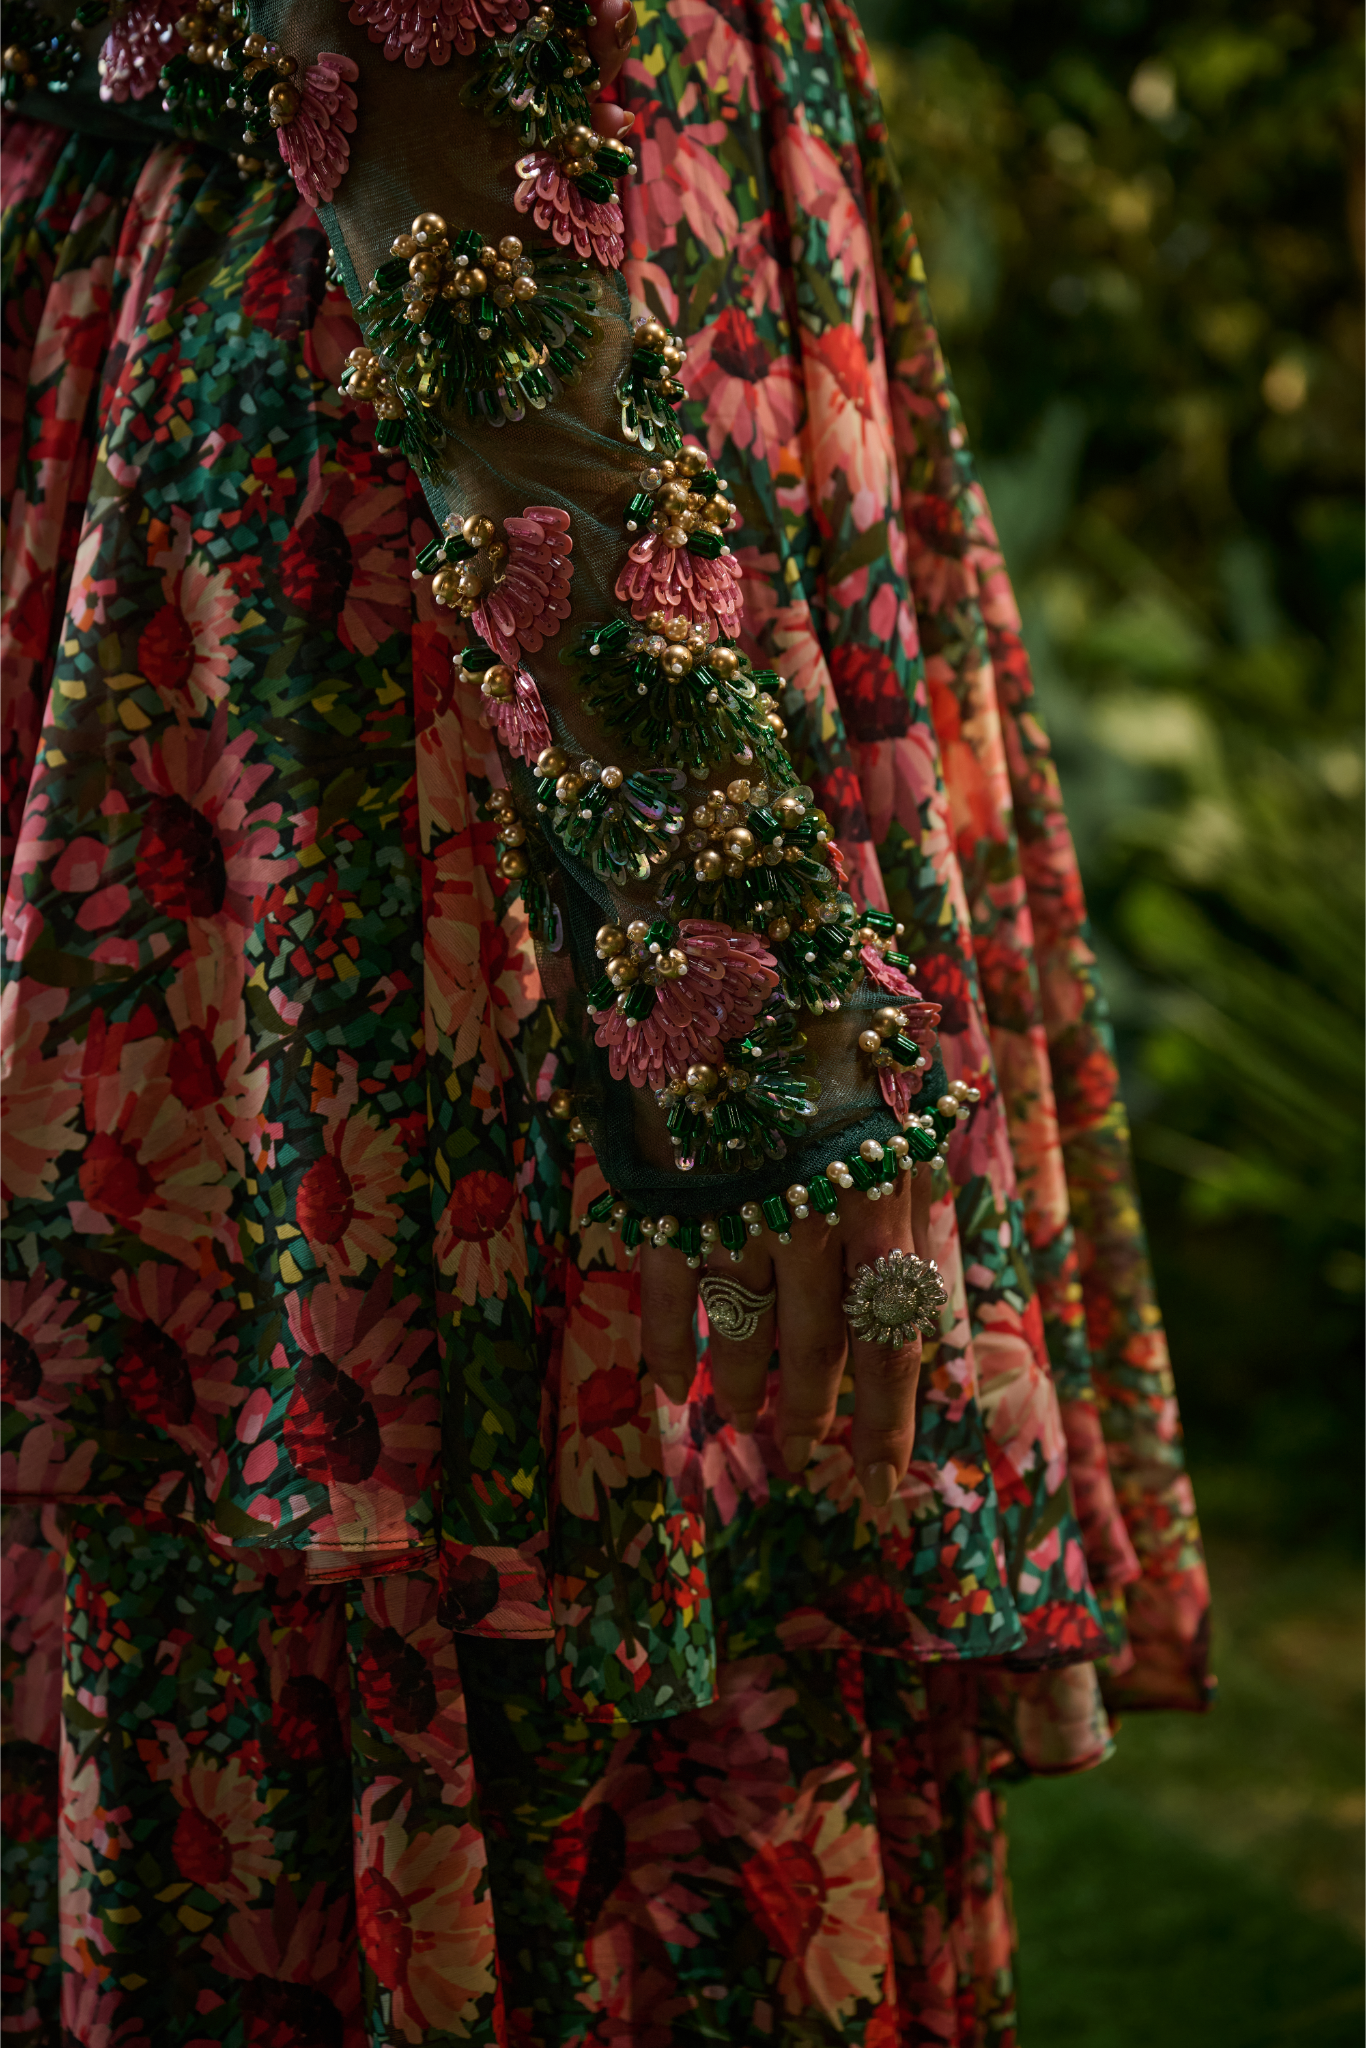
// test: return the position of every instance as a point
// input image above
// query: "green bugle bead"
(733, 1230)
(777, 1215)
(824, 1194)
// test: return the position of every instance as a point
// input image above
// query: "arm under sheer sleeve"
(748, 1044)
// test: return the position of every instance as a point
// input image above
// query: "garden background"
(1141, 222)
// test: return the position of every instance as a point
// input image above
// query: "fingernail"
(628, 122)
(879, 1484)
(675, 1386)
(796, 1452)
(625, 30)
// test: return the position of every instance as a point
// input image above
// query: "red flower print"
(177, 1361)
(361, 1417)
(166, 649)
(396, 1684)
(749, 399)
(936, 522)
(304, 1722)
(840, 796)
(585, 1862)
(181, 865)
(480, 1243)
(1008, 987)
(284, 285)
(346, 565)
(326, 1202)
(1085, 1078)
(28, 1814)
(202, 851)
(184, 649)
(480, 1204)
(736, 347)
(942, 980)
(113, 1181)
(21, 1369)
(219, 1842)
(609, 1400)
(201, 1849)
(383, 1927)
(871, 1610)
(192, 1070)
(470, 1590)
(293, 1962)
(872, 697)
(420, 1928)
(154, 1377)
(344, 1205)
(316, 568)
(280, 2015)
(785, 1892)
(330, 1429)
(42, 1092)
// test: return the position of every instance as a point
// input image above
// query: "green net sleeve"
(748, 1044)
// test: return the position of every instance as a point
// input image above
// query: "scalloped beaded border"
(873, 1172)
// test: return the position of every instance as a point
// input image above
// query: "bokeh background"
(1141, 222)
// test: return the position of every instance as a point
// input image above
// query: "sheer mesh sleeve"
(738, 1021)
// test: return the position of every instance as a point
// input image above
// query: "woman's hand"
(812, 1275)
(611, 36)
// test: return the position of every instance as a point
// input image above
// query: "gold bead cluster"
(212, 34)
(561, 1107)
(653, 335)
(633, 955)
(366, 377)
(542, 23)
(958, 1098)
(512, 862)
(888, 1039)
(678, 647)
(681, 510)
(16, 60)
(723, 846)
(460, 586)
(504, 273)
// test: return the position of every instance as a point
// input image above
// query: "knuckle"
(822, 1358)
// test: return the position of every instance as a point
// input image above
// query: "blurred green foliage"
(1141, 225)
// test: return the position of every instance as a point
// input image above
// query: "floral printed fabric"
(292, 1290)
(815, 1857)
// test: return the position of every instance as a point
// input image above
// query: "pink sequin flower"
(526, 608)
(428, 30)
(139, 42)
(883, 976)
(314, 144)
(521, 723)
(729, 979)
(661, 578)
(594, 226)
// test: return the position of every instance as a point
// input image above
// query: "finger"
(739, 1366)
(922, 1201)
(883, 1438)
(610, 37)
(812, 1343)
(668, 1303)
(611, 123)
(885, 1377)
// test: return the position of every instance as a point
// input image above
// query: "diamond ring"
(733, 1311)
(894, 1298)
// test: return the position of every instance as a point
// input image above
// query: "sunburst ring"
(893, 1299)
(733, 1311)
